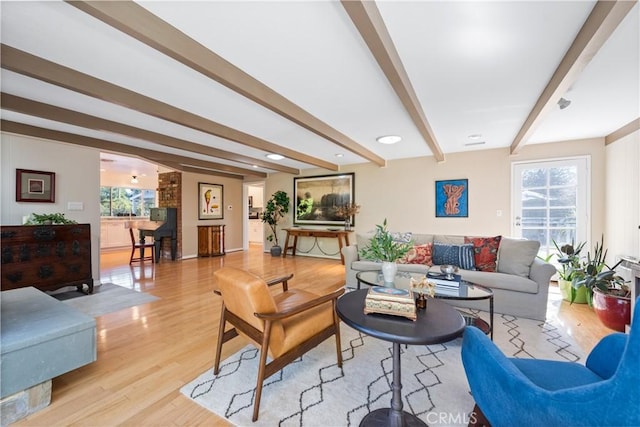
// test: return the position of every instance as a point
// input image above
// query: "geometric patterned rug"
(313, 391)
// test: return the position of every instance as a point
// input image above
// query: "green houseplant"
(276, 208)
(48, 219)
(383, 248)
(607, 292)
(568, 256)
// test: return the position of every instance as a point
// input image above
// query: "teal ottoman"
(40, 338)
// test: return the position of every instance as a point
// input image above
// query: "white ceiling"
(476, 68)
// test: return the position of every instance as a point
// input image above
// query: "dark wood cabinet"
(210, 240)
(47, 257)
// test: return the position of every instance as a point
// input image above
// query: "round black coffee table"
(467, 291)
(439, 323)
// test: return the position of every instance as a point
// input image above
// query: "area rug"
(313, 391)
(109, 298)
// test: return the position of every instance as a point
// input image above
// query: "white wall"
(233, 218)
(77, 179)
(622, 201)
(404, 190)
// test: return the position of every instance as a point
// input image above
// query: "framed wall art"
(35, 186)
(452, 198)
(210, 201)
(320, 200)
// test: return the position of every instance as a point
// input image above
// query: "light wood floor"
(147, 353)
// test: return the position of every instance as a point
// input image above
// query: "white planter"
(389, 270)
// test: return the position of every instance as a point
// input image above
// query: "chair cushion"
(301, 327)
(556, 375)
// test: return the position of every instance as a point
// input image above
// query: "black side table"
(439, 323)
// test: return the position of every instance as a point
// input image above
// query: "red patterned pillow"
(419, 254)
(485, 252)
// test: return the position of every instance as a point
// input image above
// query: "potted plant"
(607, 292)
(48, 219)
(569, 258)
(276, 208)
(383, 248)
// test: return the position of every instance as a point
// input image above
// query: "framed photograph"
(210, 201)
(35, 186)
(321, 200)
(452, 198)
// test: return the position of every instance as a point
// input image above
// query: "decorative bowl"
(448, 270)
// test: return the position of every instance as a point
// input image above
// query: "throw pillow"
(402, 237)
(419, 254)
(485, 251)
(516, 256)
(458, 255)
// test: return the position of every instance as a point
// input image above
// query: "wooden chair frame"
(139, 246)
(266, 370)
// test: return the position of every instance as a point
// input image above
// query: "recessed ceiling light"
(475, 136)
(389, 139)
(254, 166)
(339, 155)
(274, 156)
(469, 144)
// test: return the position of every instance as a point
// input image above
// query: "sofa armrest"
(541, 272)
(350, 254)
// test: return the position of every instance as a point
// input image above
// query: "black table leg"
(394, 416)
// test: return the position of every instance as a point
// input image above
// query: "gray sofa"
(520, 285)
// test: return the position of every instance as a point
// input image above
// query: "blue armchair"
(518, 392)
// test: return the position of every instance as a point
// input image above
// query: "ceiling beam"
(39, 68)
(367, 19)
(139, 23)
(101, 144)
(628, 129)
(75, 118)
(183, 168)
(603, 20)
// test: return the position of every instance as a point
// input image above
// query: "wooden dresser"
(47, 257)
(210, 240)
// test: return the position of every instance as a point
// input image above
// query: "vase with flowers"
(347, 212)
(423, 288)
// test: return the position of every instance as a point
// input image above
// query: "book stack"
(445, 286)
(442, 281)
(396, 302)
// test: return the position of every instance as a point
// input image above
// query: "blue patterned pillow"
(459, 255)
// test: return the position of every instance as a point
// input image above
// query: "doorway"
(253, 206)
(551, 201)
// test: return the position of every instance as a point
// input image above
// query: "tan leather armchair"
(284, 326)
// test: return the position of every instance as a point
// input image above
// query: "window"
(551, 202)
(122, 201)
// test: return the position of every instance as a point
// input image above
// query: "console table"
(309, 232)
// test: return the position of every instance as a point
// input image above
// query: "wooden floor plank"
(146, 353)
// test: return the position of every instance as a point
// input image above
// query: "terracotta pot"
(614, 312)
(565, 290)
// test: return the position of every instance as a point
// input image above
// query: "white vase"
(389, 270)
